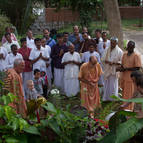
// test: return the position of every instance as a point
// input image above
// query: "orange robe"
(90, 98)
(13, 84)
(127, 84)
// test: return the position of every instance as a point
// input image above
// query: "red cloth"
(25, 52)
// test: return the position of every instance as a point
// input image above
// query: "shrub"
(4, 22)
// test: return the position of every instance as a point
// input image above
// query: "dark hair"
(13, 45)
(65, 33)
(132, 43)
(43, 38)
(84, 33)
(139, 81)
(36, 71)
(53, 31)
(23, 40)
(36, 40)
(46, 29)
(7, 28)
(59, 35)
(136, 74)
(6, 34)
(98, 30)
(92, 42)
(104, 33)
(29, 30)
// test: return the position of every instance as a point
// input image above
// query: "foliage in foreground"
(122, 130)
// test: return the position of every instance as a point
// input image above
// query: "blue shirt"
(51, 42)
(72, 38)
(38, 84)
(87, 55)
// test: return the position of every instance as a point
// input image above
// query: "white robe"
(7, 45)
(59, 79)
(30, 43)
(3, 61)
(87, 55)
(40, 64)
(49, 69)
(71, 82)
(10, 58)
(101, 49)
(110, 74)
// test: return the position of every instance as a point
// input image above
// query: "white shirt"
(7, 45)
(71, 70)
(87, 55)
(40, 64)
(100, 47)
(113, 56)
(30, 43)
(2, 61)
(10, 58)
(48, 50)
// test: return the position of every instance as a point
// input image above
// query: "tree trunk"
(114, 19)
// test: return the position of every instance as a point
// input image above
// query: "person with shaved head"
(71, 61)
(131, 61)
(89, 75)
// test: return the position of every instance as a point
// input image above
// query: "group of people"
(73, 63)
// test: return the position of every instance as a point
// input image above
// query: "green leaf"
(12, 97)
(23, 124)
(11, 140)
(8, 112)
(6, 99)
(32, 130)
(54, 125)
(135, 100)
(50, 107)
(124, 131)
(1, 111)
(15, 124)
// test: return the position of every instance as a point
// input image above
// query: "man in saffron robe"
(89, 75)
(130, 62)
(13, 83)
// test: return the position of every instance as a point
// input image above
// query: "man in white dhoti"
(48, 64)
(10, 58)
(71, 60)
(39, 56)
(111, 60)
(3, 54)
(57, 53)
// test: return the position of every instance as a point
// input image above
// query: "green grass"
(132, 24)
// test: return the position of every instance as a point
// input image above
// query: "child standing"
(38, 82)
(45, 84)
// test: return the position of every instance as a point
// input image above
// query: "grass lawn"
(127, 24)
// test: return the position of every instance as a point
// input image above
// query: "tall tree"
(114, 19)
(20, 12)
